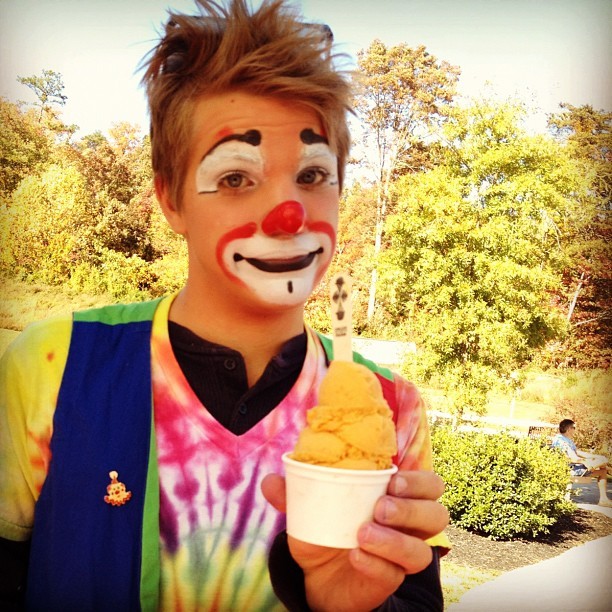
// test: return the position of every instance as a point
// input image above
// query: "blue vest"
(87, 554)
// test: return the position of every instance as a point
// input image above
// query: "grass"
(498, 406)
(458, 579)
(23, 303)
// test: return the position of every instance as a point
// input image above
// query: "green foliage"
(475, 248)
(499, 486)
(170, 272)
(88, 218)
(402, 93)
(119, 167)
(48, 88)
(45, 229)
(24, 146)
(110, 272)
(587, 281)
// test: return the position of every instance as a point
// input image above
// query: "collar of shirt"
(217, 375)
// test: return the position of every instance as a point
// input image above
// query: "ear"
(171, 212)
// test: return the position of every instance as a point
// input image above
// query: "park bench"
(545, 435)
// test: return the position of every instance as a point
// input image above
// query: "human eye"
(235, 179)
(313, 176)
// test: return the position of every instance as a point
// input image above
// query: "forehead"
(218, 117)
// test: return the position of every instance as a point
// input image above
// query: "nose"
(286, 218)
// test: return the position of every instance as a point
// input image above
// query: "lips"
(290, 264)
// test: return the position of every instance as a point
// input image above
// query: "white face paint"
(280, 261)
(227, 159)
(280, 271)
(319, 155)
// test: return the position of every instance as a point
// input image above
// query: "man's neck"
(258, 336)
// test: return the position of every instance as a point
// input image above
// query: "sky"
(542, 51)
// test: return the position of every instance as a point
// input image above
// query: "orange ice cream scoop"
(352, 426)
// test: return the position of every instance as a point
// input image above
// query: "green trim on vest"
(150, 562)
(328, 346)
(117, 314)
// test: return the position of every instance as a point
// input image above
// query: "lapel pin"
(117, 495)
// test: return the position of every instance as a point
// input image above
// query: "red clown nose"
(286, 218)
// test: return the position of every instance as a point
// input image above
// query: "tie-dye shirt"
(216, 527)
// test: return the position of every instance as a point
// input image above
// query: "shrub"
(499, 486)
(170, 273)
(123, 278)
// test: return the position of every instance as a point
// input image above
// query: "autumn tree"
(354, 254)
(47, 226)
(24, 146)
(117, 174)
(587, 287)
(403, 93)
(48, 89)
(476, 248)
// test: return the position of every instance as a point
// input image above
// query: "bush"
(499, 486)
(123, 278)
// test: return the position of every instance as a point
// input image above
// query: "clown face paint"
(232, 152)
(284, 248)
(278, 270)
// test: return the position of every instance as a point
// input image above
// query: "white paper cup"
(326, 505)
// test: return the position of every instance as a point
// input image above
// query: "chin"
(284, 290)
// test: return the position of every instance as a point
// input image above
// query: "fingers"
(410, 505)
(273, 489)
(419, 517)
(382, 547)
(403, 519)
(418, 485)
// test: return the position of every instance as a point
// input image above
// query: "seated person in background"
(581, 463)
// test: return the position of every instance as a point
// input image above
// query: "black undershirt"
(218, 377)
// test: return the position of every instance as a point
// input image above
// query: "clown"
(259, 212)
(194, 397)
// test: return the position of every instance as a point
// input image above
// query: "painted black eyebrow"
(308, 136)
(252, 137)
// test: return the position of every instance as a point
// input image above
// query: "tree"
(118, 176)
(587, 288)
(354, 254)
(47, 88)
(403, 93)
(48, 227)
(24, 146)
(477, 247)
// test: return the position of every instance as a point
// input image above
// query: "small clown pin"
(117, 495)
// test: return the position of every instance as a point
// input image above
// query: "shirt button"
(242, 409)
(230, 364)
